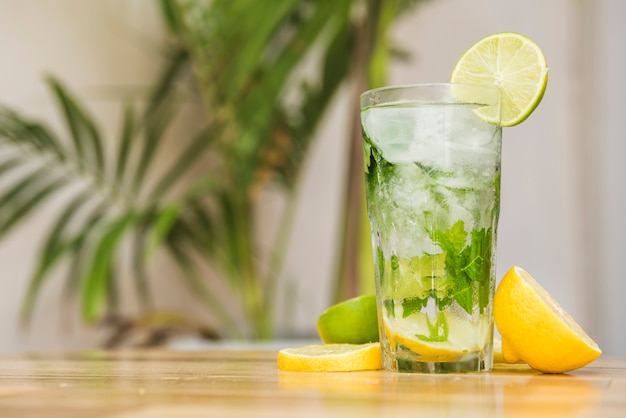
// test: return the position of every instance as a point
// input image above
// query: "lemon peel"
(535, 329)
(330, 358)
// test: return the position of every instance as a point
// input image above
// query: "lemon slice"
(512, 62)
(536, 329)
(461, 338)
(330, 358)
(354, 321)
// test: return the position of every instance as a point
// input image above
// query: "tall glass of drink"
(432, 169)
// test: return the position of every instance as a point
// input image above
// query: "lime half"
(353, 321)
(512, 62)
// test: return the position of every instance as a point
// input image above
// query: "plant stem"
(348, 269)
(355, 271)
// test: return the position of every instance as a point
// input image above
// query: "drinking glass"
(432, 170)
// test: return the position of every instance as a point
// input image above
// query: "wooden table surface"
(246, 383)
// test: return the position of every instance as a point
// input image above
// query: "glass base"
(408, 362)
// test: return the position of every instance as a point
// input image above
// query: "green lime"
(512, 62)
(354, 321)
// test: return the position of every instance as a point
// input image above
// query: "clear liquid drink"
(433, 185)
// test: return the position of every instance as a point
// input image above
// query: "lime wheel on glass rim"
(513, 63)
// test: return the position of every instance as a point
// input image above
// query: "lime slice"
(511, 62)
(354, 321)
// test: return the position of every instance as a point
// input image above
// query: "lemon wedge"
(536, 329)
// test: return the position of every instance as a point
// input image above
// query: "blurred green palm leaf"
(106, 202)
(249, 62)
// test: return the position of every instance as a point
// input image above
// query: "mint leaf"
(456, 235)
(478, 269)
(478, 255)
(380, 264)
(377, 170)
(437, 332)
(432, 172)
(413, 305)
(484, 295)
(463, 296)
(367, 155)
(389, 307)
(466, 263)
(395, 262)
(452, 242)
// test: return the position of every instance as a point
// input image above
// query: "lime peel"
(513, 63)
(353, 321)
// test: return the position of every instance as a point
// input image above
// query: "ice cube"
(405, 134)
(464, 127)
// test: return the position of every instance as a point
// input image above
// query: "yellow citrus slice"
(461, 338)
(330, 358)
(512, 62)
(536, 329)
(354, 321)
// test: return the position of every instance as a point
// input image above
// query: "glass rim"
(431, 93)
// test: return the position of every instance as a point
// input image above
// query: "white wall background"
(563, 191)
